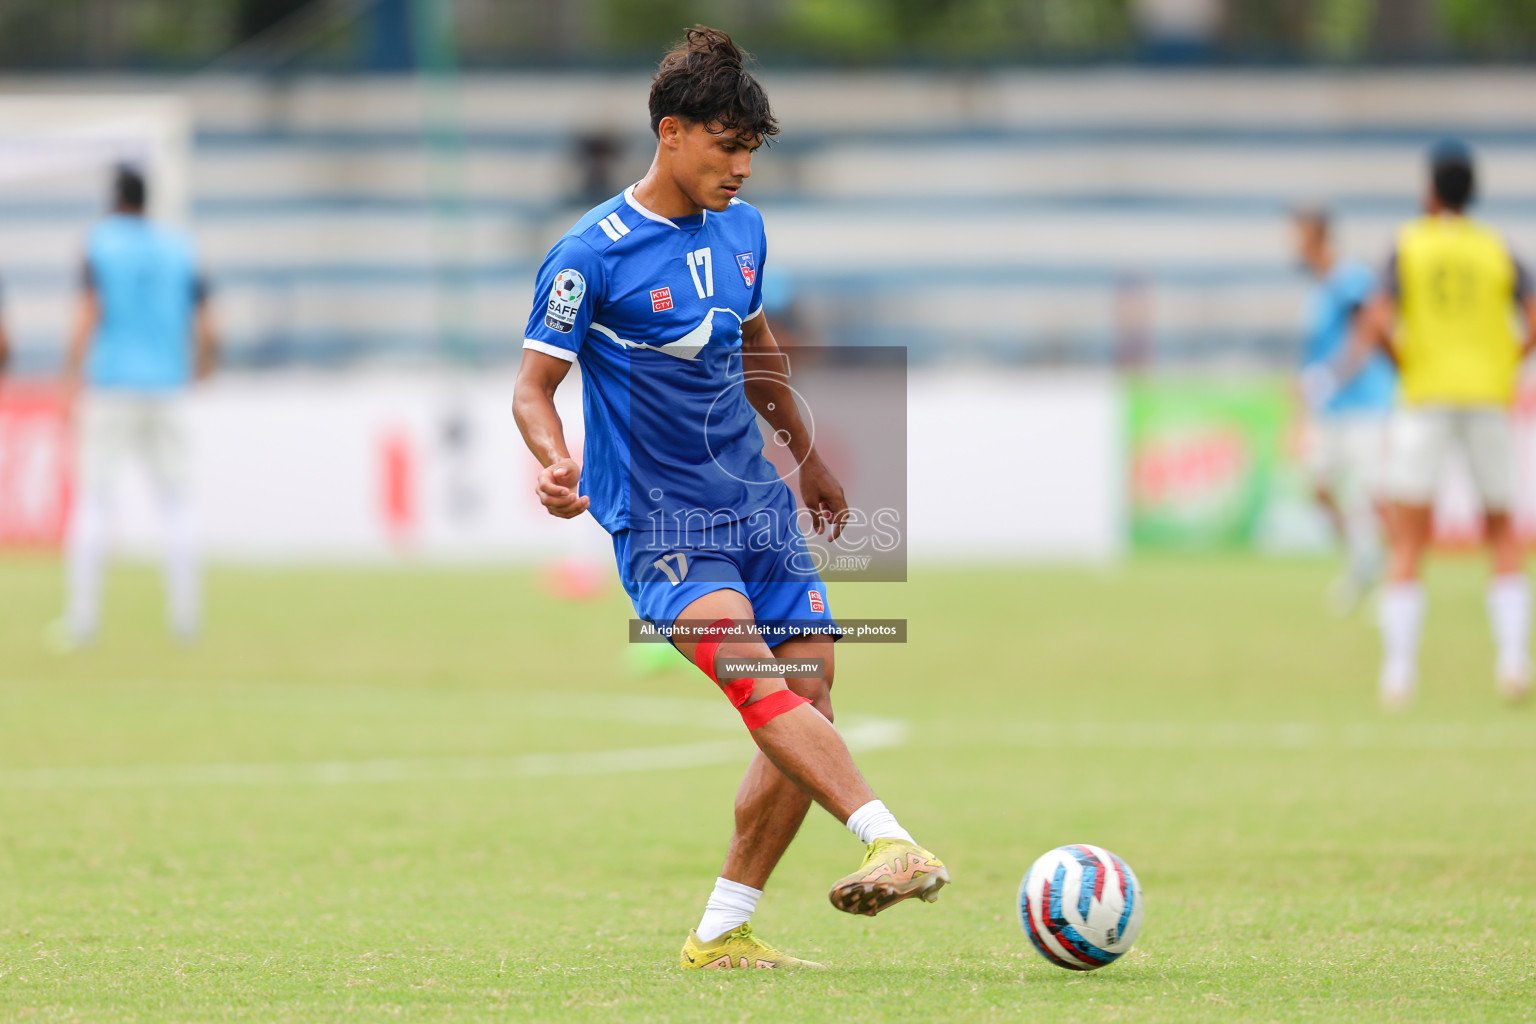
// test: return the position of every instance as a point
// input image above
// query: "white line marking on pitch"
(1233, 735)
(861, 733)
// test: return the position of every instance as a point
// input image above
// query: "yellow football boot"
(739, 948)
(893, 870)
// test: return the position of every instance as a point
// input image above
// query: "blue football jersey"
(651, 309)
(145, 280)
(1331, 309)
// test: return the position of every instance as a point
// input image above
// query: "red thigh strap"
(759, 713)
(738, 691)
(704, 653)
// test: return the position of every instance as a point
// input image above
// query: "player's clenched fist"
(557, 489)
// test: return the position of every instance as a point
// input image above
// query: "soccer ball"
(570, 286)
(1081, 906)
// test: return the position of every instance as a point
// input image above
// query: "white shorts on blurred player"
(118, 430)
(1347, 454)
(1423, 438)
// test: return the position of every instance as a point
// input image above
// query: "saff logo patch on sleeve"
(748, 268)
(564, 300)
(817, 604)
(661, 300)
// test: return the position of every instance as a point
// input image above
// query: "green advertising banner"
(1203, 458)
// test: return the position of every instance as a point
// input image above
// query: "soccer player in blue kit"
(656, 293)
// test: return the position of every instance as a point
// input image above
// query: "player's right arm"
(533, 405)
(87, 316)
(1379, 319)
(568, 291)
(1360, 343)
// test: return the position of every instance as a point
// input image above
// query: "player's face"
(1311, 245)
(710, 168)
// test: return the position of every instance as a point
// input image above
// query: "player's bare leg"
(769, 806)
(1509, 607)
(800, 743)
(1325, 501)
(1343, 592)
(801, 751)
(1361, 529)
(769, 810)
(1401, 613)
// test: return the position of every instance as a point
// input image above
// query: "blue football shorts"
(763, 557)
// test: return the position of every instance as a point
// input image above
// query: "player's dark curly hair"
(704, 79)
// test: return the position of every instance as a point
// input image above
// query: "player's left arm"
(768, 390)
(1525, 298)
(205, 335)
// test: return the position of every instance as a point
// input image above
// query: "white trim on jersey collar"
(629, 197)
(550, 350)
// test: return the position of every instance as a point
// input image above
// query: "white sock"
(1509, 613)
(1400, 616)
(730, 906)
(84, 561)
(183, 597)
(873, 821)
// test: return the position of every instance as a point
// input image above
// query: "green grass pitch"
(394, 795)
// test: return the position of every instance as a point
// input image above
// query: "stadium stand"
(1000, 216)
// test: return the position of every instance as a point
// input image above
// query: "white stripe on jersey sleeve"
(613, 236)
(754, 314)
(550, 350)
(618, 225)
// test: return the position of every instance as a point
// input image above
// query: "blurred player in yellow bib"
(1447, 315)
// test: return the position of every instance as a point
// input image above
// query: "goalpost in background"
(58, 147)
(57, 154)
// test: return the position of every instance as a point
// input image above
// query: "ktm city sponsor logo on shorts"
(661, 300)
(817, 604)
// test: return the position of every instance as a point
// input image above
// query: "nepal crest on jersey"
(748, 269)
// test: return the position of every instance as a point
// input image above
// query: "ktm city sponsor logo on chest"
(661, 300)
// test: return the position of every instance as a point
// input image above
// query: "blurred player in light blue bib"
(142, 335)
(1348, 388)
